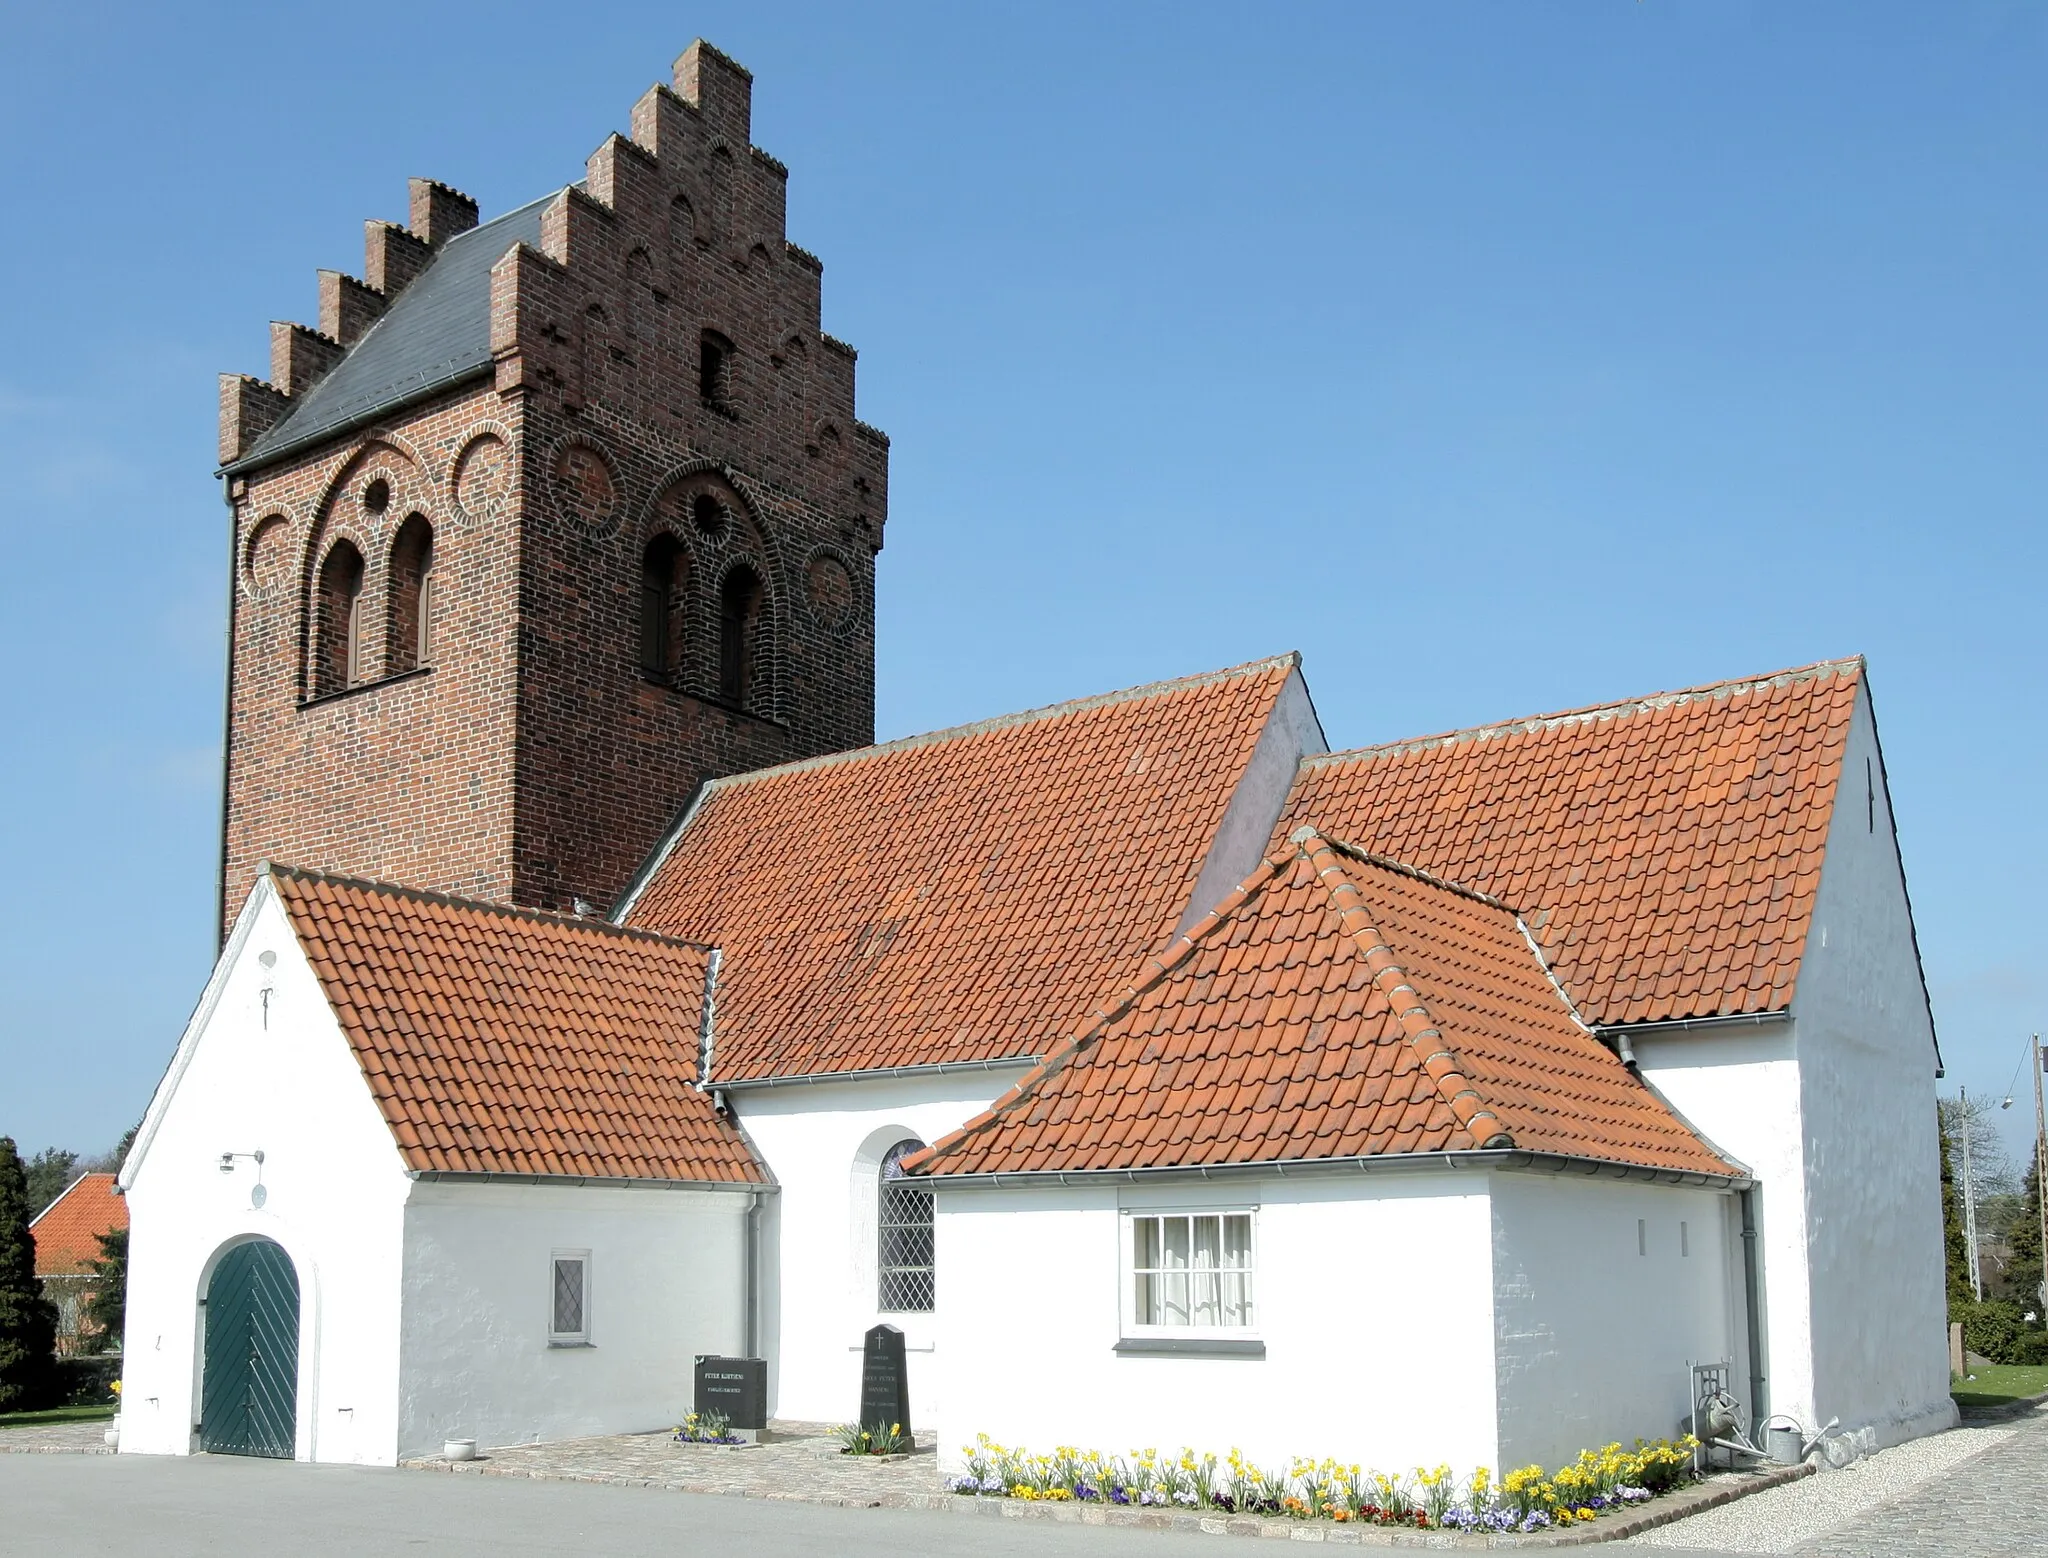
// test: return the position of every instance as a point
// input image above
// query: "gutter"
(873, 1074)
(599, 1181)
(1509, 1159)
(1620, 1032)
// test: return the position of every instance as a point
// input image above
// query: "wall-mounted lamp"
(227, 1160)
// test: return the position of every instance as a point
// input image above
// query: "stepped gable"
(505, 1041)
(960, 896)
(1666, 850)
(67, 1230)
(1337, 1005)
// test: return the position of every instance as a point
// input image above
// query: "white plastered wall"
(1373, 1298)
(284, 1081)
(1864, 1040)
(1605, 1292)
(664, 1285)
(823, 1142)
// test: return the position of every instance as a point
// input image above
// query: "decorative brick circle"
(585, 490)
(828, 590)
(267, 558)
(483, 479)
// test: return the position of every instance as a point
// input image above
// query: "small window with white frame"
(1189, 1272)
(569, 1298)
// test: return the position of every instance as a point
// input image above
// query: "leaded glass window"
(903, 1237)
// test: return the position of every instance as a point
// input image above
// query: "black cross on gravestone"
(884, 1384)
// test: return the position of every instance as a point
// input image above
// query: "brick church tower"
(549, 521)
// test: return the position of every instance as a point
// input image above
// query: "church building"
(595, 995)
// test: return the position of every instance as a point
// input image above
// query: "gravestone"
(738, 1387)
(884, 1382)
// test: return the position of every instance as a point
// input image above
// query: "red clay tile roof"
(1337, 1005)
(1666, 850)
(959, 896)
(67, 1230)
(504, 1041)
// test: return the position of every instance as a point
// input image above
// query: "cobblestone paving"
(1973, 1493)
(1995, 1506)
(794, 1466)
(55, 1439)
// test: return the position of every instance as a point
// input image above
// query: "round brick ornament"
(585, 490)
(483, 479)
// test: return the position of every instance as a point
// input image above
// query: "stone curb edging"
(2023, 1407)
(51, 1449)
(1674, 1506)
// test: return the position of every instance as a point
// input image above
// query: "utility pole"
(1969, 1191)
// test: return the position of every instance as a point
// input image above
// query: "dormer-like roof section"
(1666, 850)
(505, 1041)
(1336, 1006)
(957, 897)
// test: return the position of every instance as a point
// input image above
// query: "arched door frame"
(305, 1432)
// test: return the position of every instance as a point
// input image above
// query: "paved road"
(225, 1507)
(1973, 1495)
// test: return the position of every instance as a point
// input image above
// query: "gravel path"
(1837, 1510)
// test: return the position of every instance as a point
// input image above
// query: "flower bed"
(707, 1428)
(1526, 1499)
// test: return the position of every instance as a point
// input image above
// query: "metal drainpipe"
(1759, 1405)
(227, 723)
(750, 1298)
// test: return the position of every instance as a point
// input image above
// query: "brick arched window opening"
(714, 371)
(664, 572)
(338, 645)
(739, 638)
(905, 1273)
(409, 635)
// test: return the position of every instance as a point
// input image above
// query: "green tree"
(106, 1310)
(2023, 1273)
(49, 1173)
(28, 1321)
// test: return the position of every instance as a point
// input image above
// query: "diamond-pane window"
(569, 1316)
(903, 1238)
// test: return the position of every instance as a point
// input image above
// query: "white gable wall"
(1597, 1319)
(334, 1191)
(1373, 1296)
(1864, 1040)
(823, 1142)
(664, 1285)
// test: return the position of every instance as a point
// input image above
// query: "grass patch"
(1992, 1385)
(91, 1414)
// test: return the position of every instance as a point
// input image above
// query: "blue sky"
(1500, 357)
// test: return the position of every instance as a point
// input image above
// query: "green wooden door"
(249, 1402)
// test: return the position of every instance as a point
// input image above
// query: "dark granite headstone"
(884, 1382)
(738, 1387)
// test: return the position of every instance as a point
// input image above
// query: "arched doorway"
(249, 1396)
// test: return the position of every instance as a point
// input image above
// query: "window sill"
(1190, 1347)
(555, 1346)
(350, 692)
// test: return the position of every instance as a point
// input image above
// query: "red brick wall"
(535, 760)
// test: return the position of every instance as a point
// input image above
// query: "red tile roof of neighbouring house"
(505, 1041)
(962, 896)
(67, 1230)
(1666, 850)
(1338, 1005)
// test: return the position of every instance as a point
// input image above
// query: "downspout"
(1759, 1406)
(227, 725)
(750, 1296)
